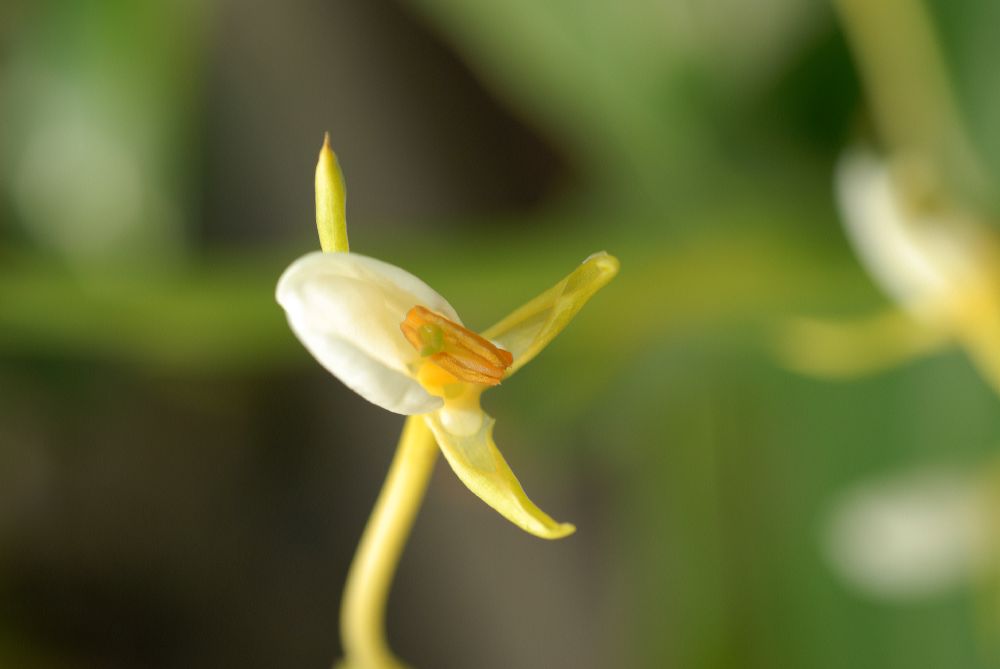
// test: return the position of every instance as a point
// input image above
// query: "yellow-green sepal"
(331, 201)
(480, 466)
(845, 349)
(977, 328)
(529, 329)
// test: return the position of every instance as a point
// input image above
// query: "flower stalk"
(362, 612)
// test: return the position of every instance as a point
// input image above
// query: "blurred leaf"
(970, 51)
(221, 313)
(97, 136)
(627, 88)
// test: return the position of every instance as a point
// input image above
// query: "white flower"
(396, 342)
(922, 254)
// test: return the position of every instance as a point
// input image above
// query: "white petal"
(916, 260)
(912, 535)
(346, 309)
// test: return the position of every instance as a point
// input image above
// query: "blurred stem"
(173, 322)
(362, 613)
(907, 84)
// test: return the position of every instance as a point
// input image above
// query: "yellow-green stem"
(362, 612)
(900, 59)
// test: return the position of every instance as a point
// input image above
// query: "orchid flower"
(395, 341)
(935, 261)
(399, 344)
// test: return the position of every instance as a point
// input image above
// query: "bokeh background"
(182, 486)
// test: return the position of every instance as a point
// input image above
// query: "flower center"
(456, 350)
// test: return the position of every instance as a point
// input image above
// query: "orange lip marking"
(454, 348)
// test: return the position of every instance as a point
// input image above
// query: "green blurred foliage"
(701, 139)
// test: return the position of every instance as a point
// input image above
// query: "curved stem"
(362, 612)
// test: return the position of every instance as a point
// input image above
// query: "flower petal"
(478, 463)
(529, 329)
(844, 349)
(346, 309)
(918, 258)
(978, 330)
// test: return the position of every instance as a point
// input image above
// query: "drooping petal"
(346, 309)
(977, 319)
(467, 444)
(529, 329)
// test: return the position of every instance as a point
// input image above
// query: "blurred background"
(181, 485)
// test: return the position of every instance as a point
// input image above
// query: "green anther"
(432, 338)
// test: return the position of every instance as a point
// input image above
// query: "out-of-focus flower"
(924, 255)
(934, 260)
(912, 535)
(399, 344)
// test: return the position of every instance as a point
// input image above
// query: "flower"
(932, 258)
(913, 534)
(922, 252)
(398, 343)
